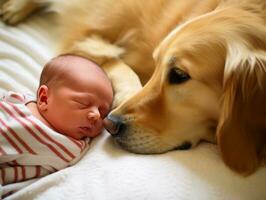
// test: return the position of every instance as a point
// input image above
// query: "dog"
(182, 71)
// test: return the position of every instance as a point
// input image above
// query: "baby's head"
(74, 96)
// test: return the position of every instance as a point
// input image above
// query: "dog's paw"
(14, 11)
(122, 96)
(119, 99)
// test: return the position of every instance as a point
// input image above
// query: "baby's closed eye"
(82, 104)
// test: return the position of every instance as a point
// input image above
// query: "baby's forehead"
(71, 64)
(75, 68)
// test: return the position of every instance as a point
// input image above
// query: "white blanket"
(107, 171)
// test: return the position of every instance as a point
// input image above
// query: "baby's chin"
(94, 133)
(76, 135)
(87, 132)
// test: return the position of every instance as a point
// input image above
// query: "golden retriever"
(202, 64)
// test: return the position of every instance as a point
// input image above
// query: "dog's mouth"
(136, 140)
(139, 139)
(138, 147)
(149, 146)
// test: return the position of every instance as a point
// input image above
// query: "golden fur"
(220, 45)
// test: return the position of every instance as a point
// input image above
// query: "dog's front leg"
(124, 80)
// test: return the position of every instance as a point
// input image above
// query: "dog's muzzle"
(114, 125)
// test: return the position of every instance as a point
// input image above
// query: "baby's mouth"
(85, 129)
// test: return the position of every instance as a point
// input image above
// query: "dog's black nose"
(114, 125)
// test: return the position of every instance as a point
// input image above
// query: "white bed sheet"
(106, 171)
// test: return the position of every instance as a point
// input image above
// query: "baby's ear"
(42, 98)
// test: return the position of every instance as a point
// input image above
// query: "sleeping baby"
(42, 135)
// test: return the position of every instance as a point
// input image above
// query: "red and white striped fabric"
(28, 148)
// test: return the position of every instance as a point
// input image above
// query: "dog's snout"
(114, 125)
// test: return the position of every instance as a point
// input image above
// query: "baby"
(73, 97)
(40, 136)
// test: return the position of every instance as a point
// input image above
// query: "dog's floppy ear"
(241, 131)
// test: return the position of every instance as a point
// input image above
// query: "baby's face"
(77, 107)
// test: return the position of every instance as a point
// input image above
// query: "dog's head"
(209, 82)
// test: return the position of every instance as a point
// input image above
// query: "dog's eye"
(177, 76)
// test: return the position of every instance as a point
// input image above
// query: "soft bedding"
(106, 171)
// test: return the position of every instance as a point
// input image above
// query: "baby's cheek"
(98, 128)
(101, 123)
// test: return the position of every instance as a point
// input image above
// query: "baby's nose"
(94, 115)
